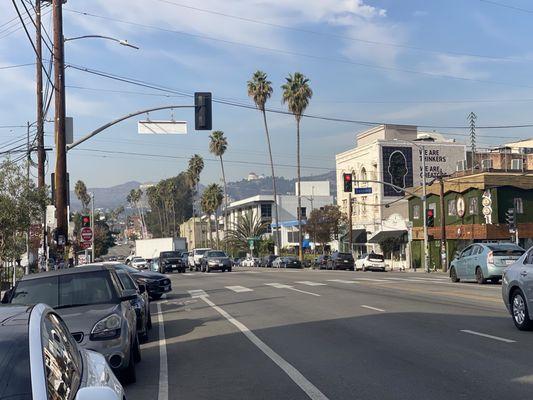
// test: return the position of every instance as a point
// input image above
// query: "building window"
(266, 210)
(452, 207)
(518, 205)
(364, 178)
(473, 206)
(363, 205)
(416, 212)
(292, 237)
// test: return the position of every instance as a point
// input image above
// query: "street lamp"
(424, 201)
(122, 42)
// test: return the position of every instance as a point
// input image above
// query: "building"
(195, 230)
(510, 157)
(391, 154)
(475, 207)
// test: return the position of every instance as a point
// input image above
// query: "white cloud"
(458, 66)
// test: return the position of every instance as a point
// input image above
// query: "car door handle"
(523, 273)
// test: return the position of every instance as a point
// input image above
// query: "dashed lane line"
(282, 286)
(310, 390)
(373, 308)
(239, 289)
(197, 293)
(163, 364)
(485, 335)
(341, 281)
(309, 283)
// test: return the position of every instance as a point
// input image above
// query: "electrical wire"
(495, 3)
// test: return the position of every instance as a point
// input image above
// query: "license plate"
(509, 262)
(345, 261)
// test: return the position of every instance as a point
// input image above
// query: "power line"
(334, 35)
(495, 3)
(16, 66)
(305, 55)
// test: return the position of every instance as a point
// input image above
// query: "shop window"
(473, 206)
(452, 207)
(518, 205)
(416, 212)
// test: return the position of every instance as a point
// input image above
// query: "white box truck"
(151, 248)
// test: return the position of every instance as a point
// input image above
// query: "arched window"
(363, 178)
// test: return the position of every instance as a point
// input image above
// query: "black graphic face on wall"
(397, 169)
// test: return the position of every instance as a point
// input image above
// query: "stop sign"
(86, 234)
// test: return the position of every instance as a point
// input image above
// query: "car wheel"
(156, 296)
(207, 269)
(453, 275)
(229, 269)
(363, 268)
(128, 374)
(479, 276)
(520, 312)
(136, 350)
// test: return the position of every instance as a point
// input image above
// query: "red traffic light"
(430, 213)
(347, 177)
(86, 221)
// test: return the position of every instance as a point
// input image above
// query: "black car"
(288, 262)
(340, 260)
(172, 260)
(156, 284)
(216, 259)
(321, 262)
(266, 261)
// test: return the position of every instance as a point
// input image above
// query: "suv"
(216, 259)
(95, 307)
(171, 260)
(370, 261)
(195, 260)
(321, 261)
(266, 261)
(341, 261)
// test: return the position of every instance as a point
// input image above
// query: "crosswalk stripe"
(196, 293)
(370, 280)
(239, 289)
(309, 283)
(277, 285)
(341, 281)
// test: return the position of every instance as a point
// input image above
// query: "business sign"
(397, 169)
(162, 127)
(440, 159)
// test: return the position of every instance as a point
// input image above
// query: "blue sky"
(397, 61)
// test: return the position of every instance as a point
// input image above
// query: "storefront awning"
(381, 236)
(358, 236)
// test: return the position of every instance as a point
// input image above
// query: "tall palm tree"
(196, 166)
(81, 193)
(134, 198)
(218, 146)
(260, 90)
(211, 200)
(297, 93)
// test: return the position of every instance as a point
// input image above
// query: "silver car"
(41, 359)
(96, 308)
(517, 291)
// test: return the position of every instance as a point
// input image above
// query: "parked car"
(370, 261)
(340, 260)
(195, 259)
(41, 359)
(267, 261)
(484, 261)
(287, 262)
(138, 262)
(156, 283)
(216, 260)
(141, 304)
(112, 258)
(171, 260)
(95, 307)
(321, 261)
(185, 258)
(121, 258)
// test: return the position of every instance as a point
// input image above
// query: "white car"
(138, 262)
(41, 359)
(195, 259)
(370, 261)
(250, 262)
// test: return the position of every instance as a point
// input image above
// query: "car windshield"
(200, 252)
(170, 254)
(68, 290)
(506, 250)
(139, 259)
(14, 363)
(127, 268)
(216, 254)
(376, 257)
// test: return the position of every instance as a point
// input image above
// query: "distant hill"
(114, 196)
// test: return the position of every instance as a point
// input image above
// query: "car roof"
(67, 271)
(11, 315)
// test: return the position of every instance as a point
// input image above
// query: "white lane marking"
(341, 281)
(309, 283)
(373, 308)
(488, 336)
(311, 390)
(239, 289)
(282, 286)
(163, 364)
(190, 273)
(197, 293)
(370, 279)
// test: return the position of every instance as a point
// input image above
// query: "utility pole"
(424, 205)
(28, 154)
(443, 258)
(41, 154)
(59, 129)
(350, 232)
(92, 227)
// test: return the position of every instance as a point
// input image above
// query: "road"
(309, 334)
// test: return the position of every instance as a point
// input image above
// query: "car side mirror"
(100, 393)
(127, 295)
(142, 288)
(457, 256)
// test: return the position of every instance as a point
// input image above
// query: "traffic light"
(430, 218)
(348, 183)
(86, 221)
(510, 217)
(202, 111)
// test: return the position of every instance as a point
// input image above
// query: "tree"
(296, 94)
(83, 196)
(134, 198)
(323, 224)
(211, 200)
(247, 226)
(196, 166)
(218, 146)
(260, 90)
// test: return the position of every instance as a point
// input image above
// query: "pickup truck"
(195, 258)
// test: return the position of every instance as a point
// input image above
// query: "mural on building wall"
(397, 169)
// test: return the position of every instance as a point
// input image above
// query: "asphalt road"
(295, 334)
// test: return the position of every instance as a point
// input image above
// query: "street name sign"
(363, 190)
(162, 127)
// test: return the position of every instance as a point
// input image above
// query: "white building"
(391, 154)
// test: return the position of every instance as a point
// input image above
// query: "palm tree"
(218, 146)
(260, 90)
(247, 226)
(211, 200)
(196, 165)
(81, 193)
(134, 198)
(297, 93)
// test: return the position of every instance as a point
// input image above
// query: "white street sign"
(162, 127)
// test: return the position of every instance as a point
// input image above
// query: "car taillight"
(490, 258)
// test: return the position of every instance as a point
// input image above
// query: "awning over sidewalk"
(358, 236)
(381, 236)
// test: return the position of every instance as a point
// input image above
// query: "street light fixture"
(122, 42)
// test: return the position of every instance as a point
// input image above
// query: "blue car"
(484, 261)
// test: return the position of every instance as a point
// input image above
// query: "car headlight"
(107, 328)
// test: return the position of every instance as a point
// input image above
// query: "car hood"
(83, 319)
(149, 275)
